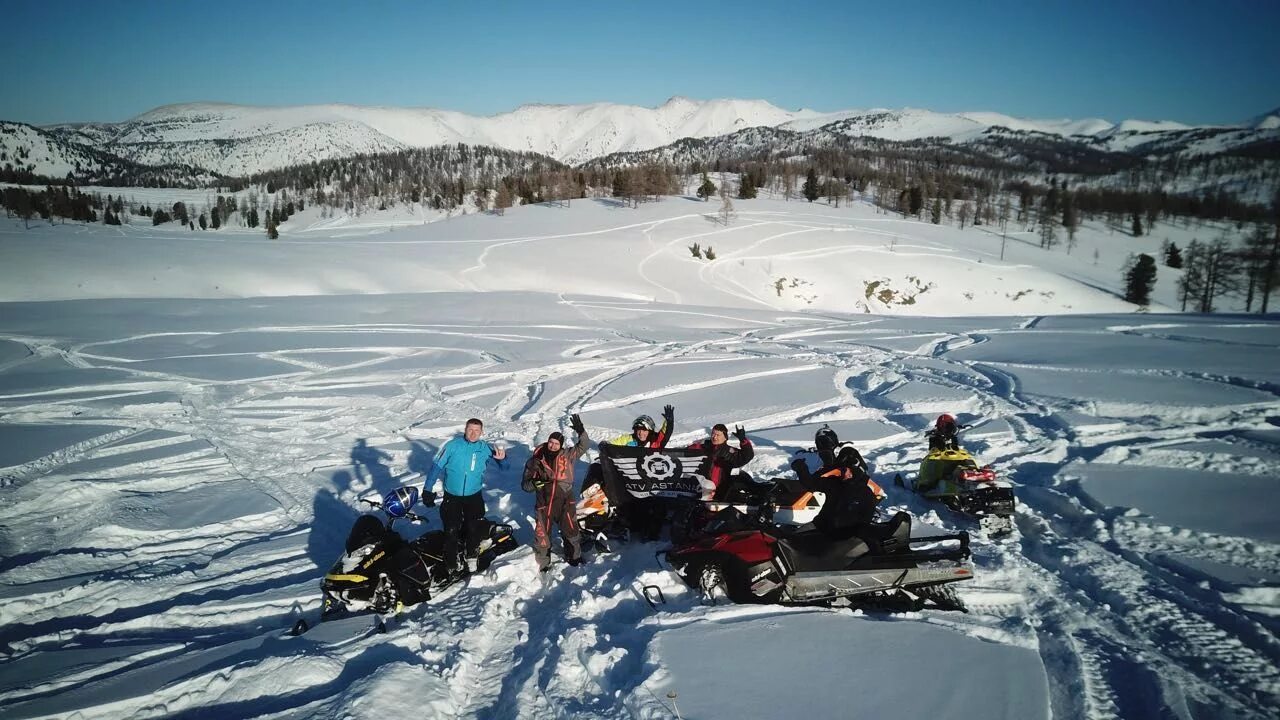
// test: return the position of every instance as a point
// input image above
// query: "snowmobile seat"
(815, 551)
(889, 536)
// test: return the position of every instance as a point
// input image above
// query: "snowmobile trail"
(213, 498)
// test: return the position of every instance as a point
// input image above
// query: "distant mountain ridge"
(240, 140)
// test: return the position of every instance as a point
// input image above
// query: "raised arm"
(582, 442)
(668, 425)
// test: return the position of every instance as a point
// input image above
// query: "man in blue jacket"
(462, 461)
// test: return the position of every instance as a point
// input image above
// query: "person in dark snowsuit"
(549, 474)
(722, 458)
(850, 504)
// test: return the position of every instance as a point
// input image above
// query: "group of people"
(549, 474)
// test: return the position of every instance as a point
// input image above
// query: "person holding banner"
(721, 457)
(549, 474)
(644, 516)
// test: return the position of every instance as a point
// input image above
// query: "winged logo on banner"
(660, 475)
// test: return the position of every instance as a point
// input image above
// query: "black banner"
(647, 473)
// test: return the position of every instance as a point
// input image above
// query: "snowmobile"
(781, 500)
(950, 475)
(750, 561)
(598, 521)
(381, 571)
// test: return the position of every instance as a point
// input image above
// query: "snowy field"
(772, 254)
(176, 473)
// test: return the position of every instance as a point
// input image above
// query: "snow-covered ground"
(178, 409)
(772, 254)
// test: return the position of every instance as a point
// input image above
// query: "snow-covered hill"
(772, 254)
(238, 140)
(28, 152)
(569, 133)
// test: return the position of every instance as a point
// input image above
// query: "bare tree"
(503, 199)
(726, 205)
(1271, 276)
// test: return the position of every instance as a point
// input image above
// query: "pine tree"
(215, 217)
(915, 201)
(1140, 278)
(1137, 225)
(747, 187)
(936, 218)
(622, 183)
(1173, 257)
(707, 188)
(810, 189)
(1070, 219)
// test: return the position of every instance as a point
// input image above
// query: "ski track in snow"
(135, 576)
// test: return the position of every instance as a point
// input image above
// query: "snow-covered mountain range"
(241, 140)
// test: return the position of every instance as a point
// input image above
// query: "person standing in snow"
(549, 474)
(643, 515)
(722, 458)
(462, 462)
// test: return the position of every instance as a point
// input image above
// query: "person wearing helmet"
(643, 515)
(644, 433)
(549, 474)
(825, 443)
(942, 436)
(850, 502)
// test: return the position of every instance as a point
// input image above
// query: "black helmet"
(825, 442)
(644, 421)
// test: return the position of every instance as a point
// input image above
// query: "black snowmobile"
(381, 571)
(752, 561)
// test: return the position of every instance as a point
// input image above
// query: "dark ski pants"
(556, 506)
(456, 514)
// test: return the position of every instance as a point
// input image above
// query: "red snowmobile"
(752, 561)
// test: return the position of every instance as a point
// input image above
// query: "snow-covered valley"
(178, 412)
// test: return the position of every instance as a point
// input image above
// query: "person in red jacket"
(721, 457)
(549, 474)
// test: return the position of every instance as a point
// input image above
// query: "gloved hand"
(428, 498)
(740, 433)
(799, 466)
(668, 411)
(575, 422)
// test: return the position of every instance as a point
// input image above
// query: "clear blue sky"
(1197, 62)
